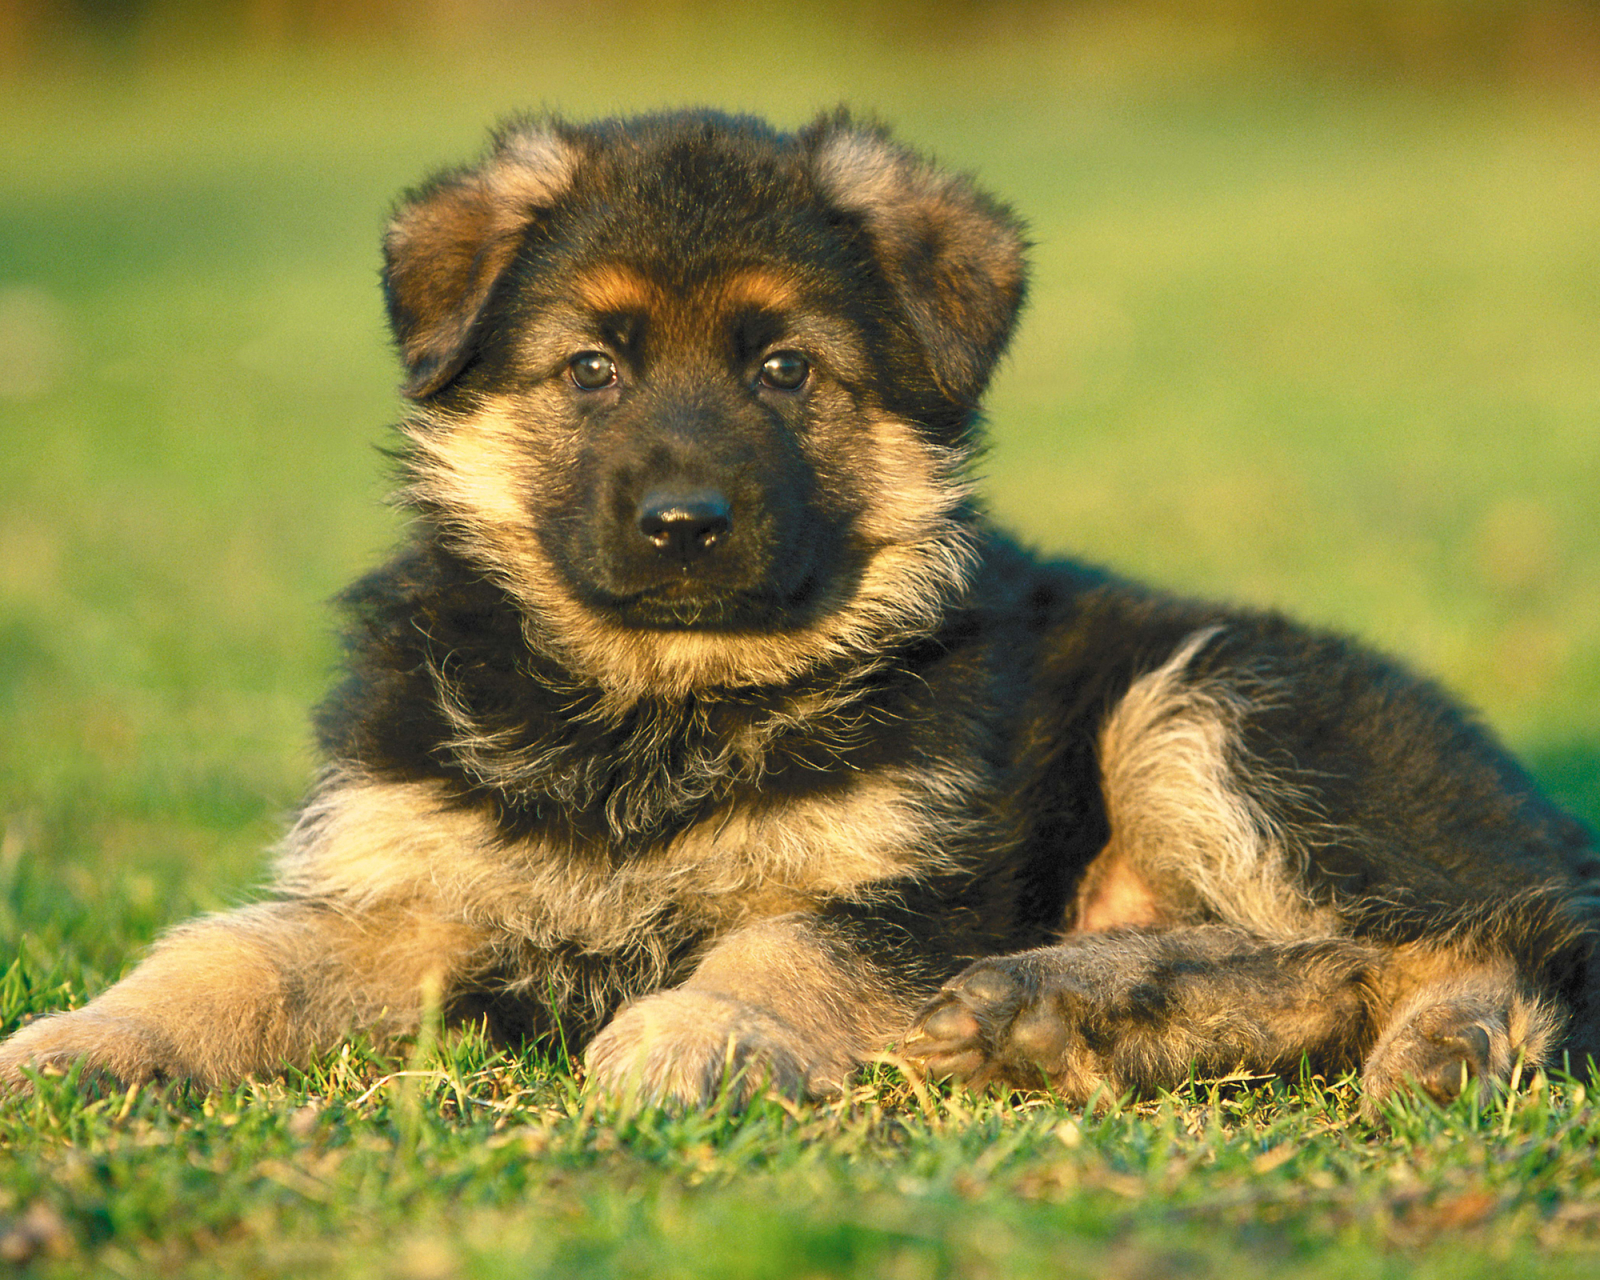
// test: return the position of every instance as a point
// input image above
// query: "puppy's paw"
(117, 1049)
(1448, 1050)
(1442, 1053)
(684, 1047)
(1009, 1022)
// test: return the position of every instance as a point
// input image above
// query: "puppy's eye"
(592, 370)
(785, 370)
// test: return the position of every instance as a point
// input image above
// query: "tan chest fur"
(363, 843)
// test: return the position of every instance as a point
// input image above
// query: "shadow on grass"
(1570, 772)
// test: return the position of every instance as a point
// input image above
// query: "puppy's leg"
(1136, 1010)
(250, 991)
(789, 1002)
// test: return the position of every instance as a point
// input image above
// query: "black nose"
(685, 525)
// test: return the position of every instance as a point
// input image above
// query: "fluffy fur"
(705, 722)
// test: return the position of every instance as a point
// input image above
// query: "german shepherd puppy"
(705, 721)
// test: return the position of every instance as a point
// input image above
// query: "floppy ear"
(452, 239)
(952, 254)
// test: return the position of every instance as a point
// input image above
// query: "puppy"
(704, 721)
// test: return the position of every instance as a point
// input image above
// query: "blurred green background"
(1314, 324)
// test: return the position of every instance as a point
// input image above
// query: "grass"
(1316, 342)
(477, 1166)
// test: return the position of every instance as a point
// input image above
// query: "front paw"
(1008, 1021)
(686, 1047)
(113, 1048)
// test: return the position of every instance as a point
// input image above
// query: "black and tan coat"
(704, 720)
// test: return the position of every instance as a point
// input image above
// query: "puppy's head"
(699, 394)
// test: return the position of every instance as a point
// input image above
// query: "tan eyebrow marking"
(613, 287)
(760, 287)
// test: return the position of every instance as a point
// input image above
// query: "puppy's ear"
(952, 254)
(452, 239)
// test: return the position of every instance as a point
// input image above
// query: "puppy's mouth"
(687, 605)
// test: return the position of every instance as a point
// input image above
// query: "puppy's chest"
(366, 842)
(742, 861)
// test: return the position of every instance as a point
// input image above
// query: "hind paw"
(1004, 1022)
(1446, 1049)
